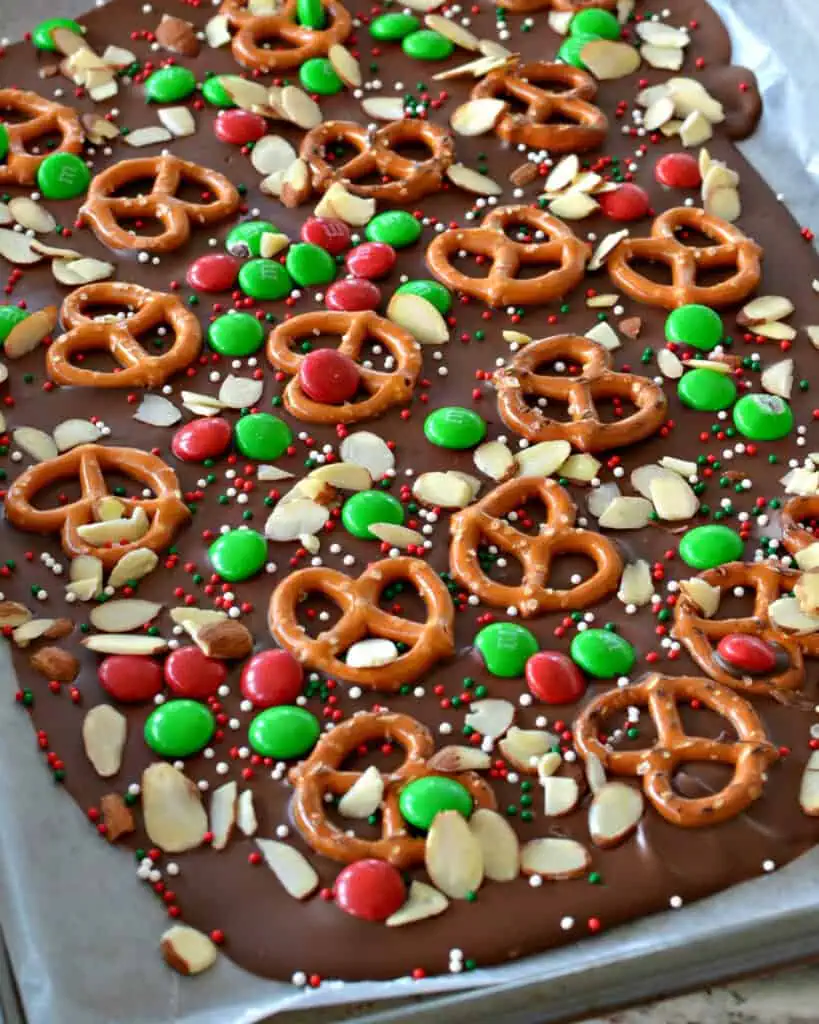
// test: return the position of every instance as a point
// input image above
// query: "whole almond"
(55, 663)
(227, 639)
(177, 36)
(116, 816)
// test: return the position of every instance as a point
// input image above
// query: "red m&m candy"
(130, 678)
(554, 678)
(678, 170)
(747, 653)
(371, 260)
(190, 673)
(239, 127)
(627, 202)
(328, 376)
(352, 294)
(202, 439)
(370, 889)
(328, 233)
(271, 678)
(215, 272)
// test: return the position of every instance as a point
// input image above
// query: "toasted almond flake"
(353, 210)
(453, 856)
(542, 459)
(217, 31)
(157, 411)
(809, 786)
(606, 246)
(662, 57)
(444, 489)
(561, 795)
(626, 513)
(495, 460)
(347, 476)
(345, 66)
(290, 867)
(775, 330)
(134, 565)
(472, 181)
(454, 759)
(777, 379)
(16, 248)
(374, 652)
(523, 748)
(418, 316)
(25, 336)
(724, 203)
(691, 96)
(765, 309)
(491, 718)
(580, 468)
(636, 584)
(673, 498)
(369, 450)
(272, 153)
(244, 93)
(614, 813)
(423, 901)
(477, 117)
(604, 334)
(31, 215)
(695, 130)
(222, 814)
(398, 536)
(608, 60)
(573, 206)
(30, 630)
(562, 174)
(656, 33)
(555, 859)
(172, 810)
(85, 270)
(498, 843)
(124, 616)
(179, 121)
(240, 392)
(104, 731)
(35, 443)
(299, 108)
(669, 364)
(125, 643)
(292, 519)
(659, 113)
(363, 798)
(786, 613)
(13, 614)
(451, 30)
(187, 950)
(383, 108)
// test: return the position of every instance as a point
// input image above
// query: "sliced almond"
(70, 433)
(775, 330)
(86, 270)
(665, 58)
(299, 108)
(217, 31)
(801, 481)
(452, 31)
(669, 365)
(272, 153)
(786, 613)
(472, 181)
(809, 787)
(523, 748)
(777, 379)
(31, 216)
(35, 443)
(454, 759)
(25, 336)
(363, 798)
(559, 21)
(548, 764)
(691, 96)
(657, 33)
(555, 859)
(109, 508)
(477, 117)
(608, 60)
(30, 630)
(673, 498)
(124, 616)
(606, 247)
(626, 513)
(345, 66)
(719, 176)
(291, 519)
(702, 595)
(573, 206)
(423, 901)
(446, 490)
(374, 652)
(477, 68)
(542, 459)
(383, 108)
(580, 469)
(398, 536)
(601, 497)
(115, 531)
(491, 718)
(695, 130)
(724, 203)
(244, 93)
(353, 210)
(290, 867)
(193, 619)
(151, 135)
(812, 332)
(418, 316)
(179, 121)
(157, 411)
(499, 845)
(346, 476)
(240, 392)
(636, 584)
(659, 113)
(187, 950)
(806, 593)
(765, 309)
(13, 614)
(614, 813)
(174, 817)
(222, 814)
(561, 795)
(808, 558)
(125, 643)
(495, 460)
(605, 301)
(369, 450)
(104, 731)
(272, 243)
(134, 565)
(453, 856)
(246, 813)
(87, 567)
(595, 773)
(604, 334)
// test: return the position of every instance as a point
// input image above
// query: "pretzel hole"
(500, 565)
(697, 779)
(736, 603)
(43, 144)
(414, 150)
(657, 271)
(403, 600)
(694, 239)
(570, 570)
(362, 828)
(13, 115)
(317, 613)
(143, 224)
(132, 188)
(554, 408)
(57, 493)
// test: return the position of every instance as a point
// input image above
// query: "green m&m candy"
(505, 648)
(4, 141)
(10, 316)
(283, 732)
(311, 13)
(391, 27)
(602, 24)
(216, 94)
(454, 427)
(246, 239)
(432, 291)
(169, 85)
(602, 654)
(42, 35)
(427, 45)
(395, 227)
(763, 417)
(235, 334)
(262, 436)
(571, 48)
(179, 728)
(318, 75)
(238, 554)
(310, 265)
(694, 325)
(706, 547)
(363, 509)
(422, 799)
(706, 390)
(266, 280)
(63, 176)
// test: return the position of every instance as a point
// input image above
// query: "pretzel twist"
(361, 617)
(700, 635)
(322, 773)
(557, 536)
(120, 337)
(519, 380)
(103, 210)
(301, 43)
(45, 118)
(386, 389)
(733, 249)
(750, 754)
(795, 536)
(545, 122)
(500, 287)
(88, 462)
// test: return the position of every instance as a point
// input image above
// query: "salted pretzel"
(386, 388)
(561, 120)
(750, 754)
(501, 287)
(685, 262)
(103, 210)
(299, 42)
(377, 153)
(529, 6)
(120, 337)
(701, 635)
(797, 511)
(165, 512)
(361, 618)
(44, 118)
(485, 520)
(519, 380)
(322, 774)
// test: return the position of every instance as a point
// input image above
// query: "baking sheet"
(82, 933)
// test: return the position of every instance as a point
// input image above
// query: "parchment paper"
(83, 935)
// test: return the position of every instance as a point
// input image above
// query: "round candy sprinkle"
(370, 889)
(554, 678)
(505, 648)
(363, 509)
(265, 279)
(391, 27)
(319, 76)
(432, 291)
(283, 732)
(602, 654)
(427, 45)
(190, 673)
(235, 334)
(216, 94)
(271, 678)
(310, 13)
(171, 84)
(627, 202)
(678, 170)
(422, 799)
(747, 653)
(353, 294)
(310, 265)
(201, 439)
(213, 272)
(328, 233)
(238, 555)
(10, 316)
(571, 48)
(706, 390)
(179, 728)
(706, 547)
(763, 417)
(4, 141)
(395, 227)
(130, 678)
(602, 24)
(454, 427)
(694, 325)
(371, 259)
(329, 376)
(42, 35)
(238, 127)
(262, 436)
(63, 176)
(246, 239)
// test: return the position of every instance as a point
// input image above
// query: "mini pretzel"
(166, 511)
(585, 430)
(733, 249)
(103, 210)
(701, 636)
(300, 43)
(322, 773)
(529, 6)
(557, 536)
(500, 287)
(45, 118)
(408, 180)
(545, 123)
(361, 618)
(386, 389)
(795, 536)
(750, 754)
(120, 337)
